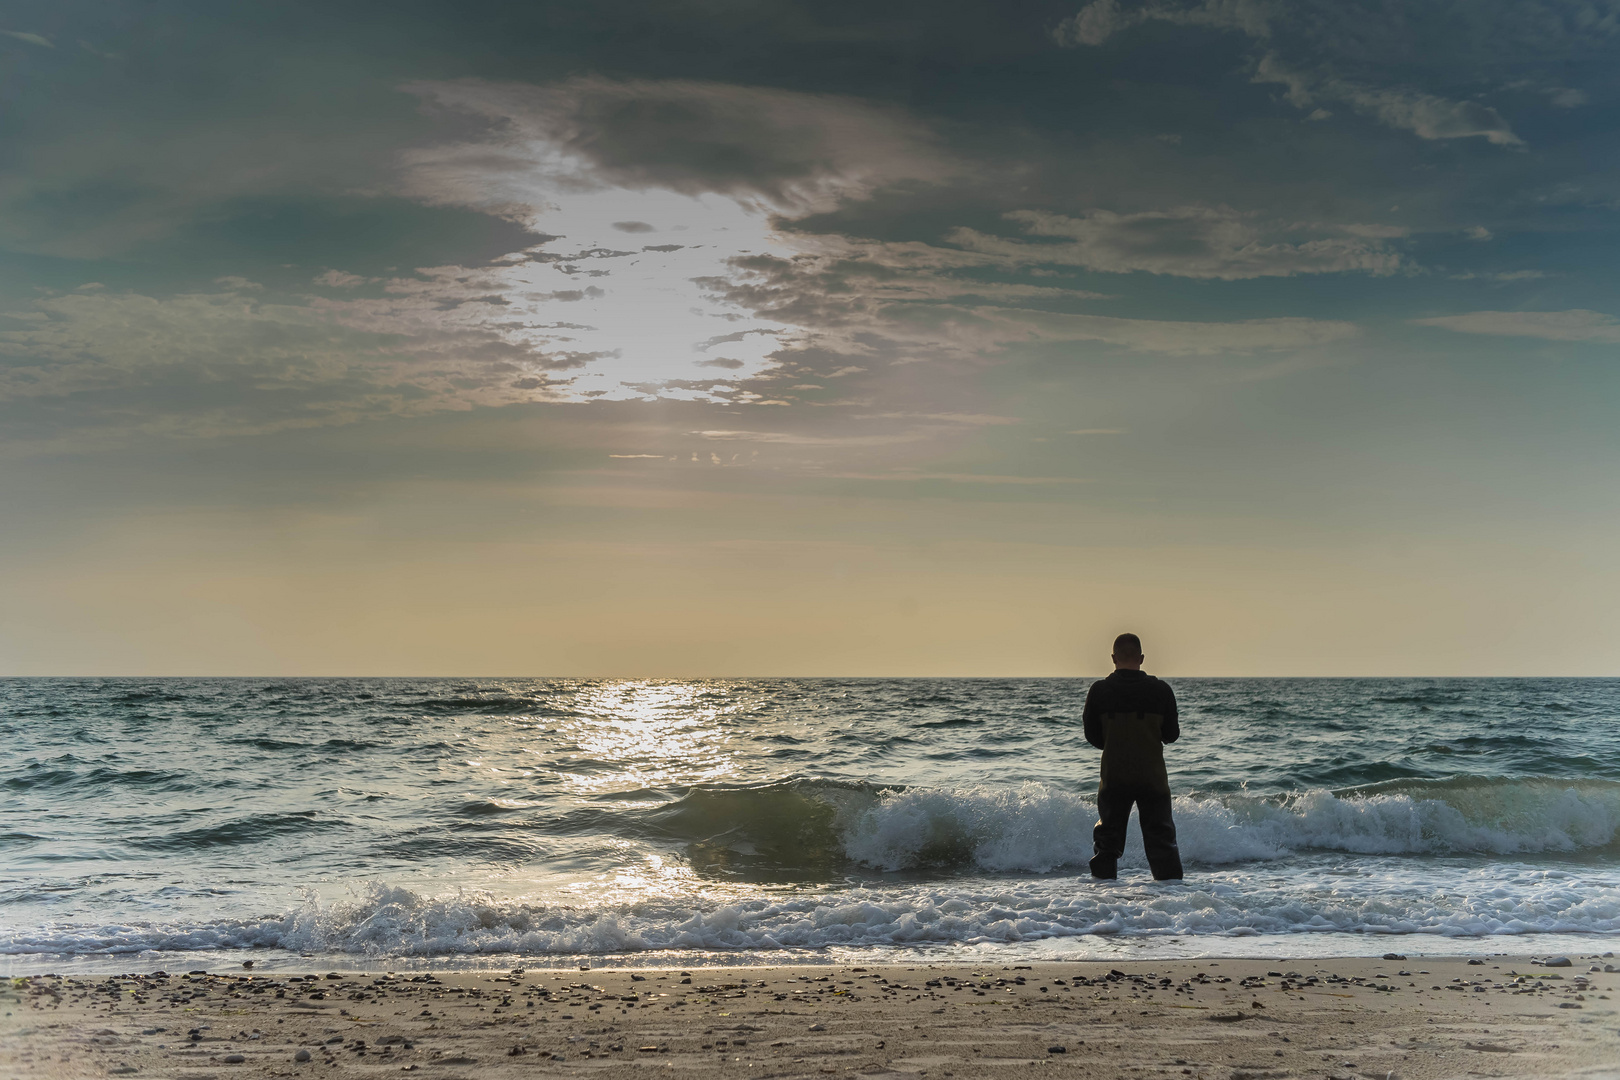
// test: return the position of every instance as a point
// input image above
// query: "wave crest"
(809, 828)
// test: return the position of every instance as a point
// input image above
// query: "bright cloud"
(644, 191)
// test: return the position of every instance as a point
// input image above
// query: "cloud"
(968, 419)
(1190, 241)
(338, 279)
(1163, 335)
(791, 152)
(32, 39)
(1427, 116)
(1102, 19)
(799, 439)
(1093, 24)
(230, 363)
(893, 319)
(771, 311)
(1322, 35)
(585, 161)
(1576, 324)
(912, 476)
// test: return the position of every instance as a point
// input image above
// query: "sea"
(398, 824)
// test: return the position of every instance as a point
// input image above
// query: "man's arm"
(1170, 729)
(1091, 718)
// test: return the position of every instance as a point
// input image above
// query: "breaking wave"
(814, 828)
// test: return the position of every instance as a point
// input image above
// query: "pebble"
(234, 1059)
(1057, 1049)
(302, 1055)
(1558, 961)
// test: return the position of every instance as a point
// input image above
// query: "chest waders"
(1133, 774)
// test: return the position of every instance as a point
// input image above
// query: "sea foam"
(385, 921)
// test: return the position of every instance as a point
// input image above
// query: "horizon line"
(739, 678)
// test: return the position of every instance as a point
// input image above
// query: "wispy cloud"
(904, 476)
(1428, 116)
(1190, 241)
(32, 39)
(339, 279)
(1102, 19)
(231, 363)
(1310, 80)
(788, 438)
(1577, 324)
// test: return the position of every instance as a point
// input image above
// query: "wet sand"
(1225, 1019)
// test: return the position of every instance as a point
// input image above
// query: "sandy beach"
(1233, 1019)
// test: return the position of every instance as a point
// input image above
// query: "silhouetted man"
(1129, 716)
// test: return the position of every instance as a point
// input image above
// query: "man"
(1129, 716)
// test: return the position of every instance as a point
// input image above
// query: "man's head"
(1128, 652)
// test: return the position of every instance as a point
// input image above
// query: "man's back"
(1129, 716)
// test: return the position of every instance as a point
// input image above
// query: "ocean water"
(420, 822)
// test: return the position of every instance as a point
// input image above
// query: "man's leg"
(1108, 838)
(1159, 835)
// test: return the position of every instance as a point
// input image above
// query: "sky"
(669, 338)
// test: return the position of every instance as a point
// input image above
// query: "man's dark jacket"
(1129, 716)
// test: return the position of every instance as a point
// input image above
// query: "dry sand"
(1226, 1019)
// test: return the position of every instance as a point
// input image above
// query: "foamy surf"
(382, 921)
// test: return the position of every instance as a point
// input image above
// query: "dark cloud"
(795, 151)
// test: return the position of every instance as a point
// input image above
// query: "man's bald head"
(1128, 652)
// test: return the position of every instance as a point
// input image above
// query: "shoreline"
(1229, 1019)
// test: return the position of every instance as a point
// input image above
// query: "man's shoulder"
(1160, 686)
